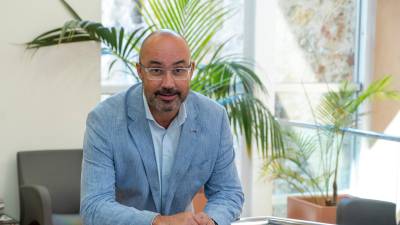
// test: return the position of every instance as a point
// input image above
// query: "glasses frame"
(165, 71)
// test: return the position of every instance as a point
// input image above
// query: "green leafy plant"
(336, 112)
(229, 79)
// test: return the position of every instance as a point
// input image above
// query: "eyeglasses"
(157, 73)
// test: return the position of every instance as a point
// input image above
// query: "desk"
(270, 220)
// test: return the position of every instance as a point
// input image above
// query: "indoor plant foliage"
(229, 79)
(336, 112)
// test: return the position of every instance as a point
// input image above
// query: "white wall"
(385, 114)
(387, 61)
(44, 98)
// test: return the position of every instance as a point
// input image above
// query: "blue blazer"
(120, 182)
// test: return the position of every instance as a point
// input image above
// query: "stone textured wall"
(325, 30)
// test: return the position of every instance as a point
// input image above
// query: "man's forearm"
(105, 213)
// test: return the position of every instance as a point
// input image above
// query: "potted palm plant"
(317, 182)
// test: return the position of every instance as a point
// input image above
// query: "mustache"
(168, 91)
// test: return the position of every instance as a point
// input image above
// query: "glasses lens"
(180, 73)
(156, 71)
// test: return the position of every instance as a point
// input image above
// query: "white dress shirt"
(165, 143)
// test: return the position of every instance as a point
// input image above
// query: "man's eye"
(179, 70)
(155, 71)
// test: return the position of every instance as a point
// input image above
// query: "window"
(117, 13)
(306, 48)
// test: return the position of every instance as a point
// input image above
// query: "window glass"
(306, 48)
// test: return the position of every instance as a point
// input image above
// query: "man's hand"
(203, 219)
(185, 218)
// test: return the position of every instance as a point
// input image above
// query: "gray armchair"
(49, 187)
(354, 211)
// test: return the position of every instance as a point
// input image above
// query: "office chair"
(360, 211)
(49, 187)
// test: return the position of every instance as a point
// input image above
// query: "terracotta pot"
(303, 208)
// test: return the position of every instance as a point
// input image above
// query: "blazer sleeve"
(223, 189)
(98, 202)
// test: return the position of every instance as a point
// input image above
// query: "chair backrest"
(355, 211)
(59, 171)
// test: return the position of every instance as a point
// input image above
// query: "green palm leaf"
(294, 166)
(71, 10)
(334, 107)
(379, 88)
(197, 21)
(337, 108)
(249, 116)
(115, 41)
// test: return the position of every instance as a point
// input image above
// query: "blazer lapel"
(184, 153)
(141, 135)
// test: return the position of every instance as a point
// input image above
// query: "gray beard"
(161, 106)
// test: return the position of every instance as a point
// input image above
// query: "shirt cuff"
(152, 221)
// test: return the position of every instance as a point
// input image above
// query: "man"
(148, 150)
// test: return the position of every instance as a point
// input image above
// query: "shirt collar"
(178, 120)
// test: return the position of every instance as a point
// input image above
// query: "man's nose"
(168, 80)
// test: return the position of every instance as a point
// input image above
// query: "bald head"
(163, 37)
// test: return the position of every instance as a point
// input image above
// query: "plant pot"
(303, 208)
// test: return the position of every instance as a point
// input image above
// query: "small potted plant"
(317, 182)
